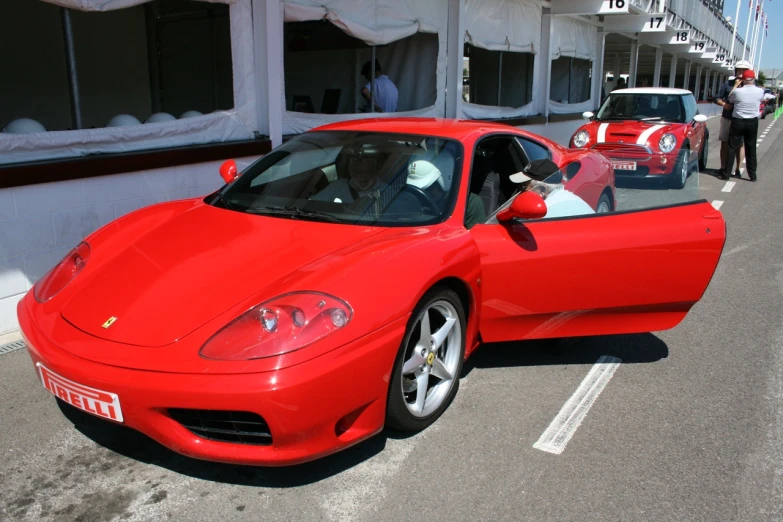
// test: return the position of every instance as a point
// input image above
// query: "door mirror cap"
(700, 118)
(228, 171)
(587, 115)
(528, 205)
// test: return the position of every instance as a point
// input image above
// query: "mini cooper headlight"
(667, 142)
(281, 325)
(581, 138)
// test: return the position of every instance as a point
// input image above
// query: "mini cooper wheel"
(680, 174)
(604, 204)
(705, 151)
(426, 371)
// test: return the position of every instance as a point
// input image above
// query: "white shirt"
(385, 95)
(746, 100)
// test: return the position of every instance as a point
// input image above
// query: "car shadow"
(637, 348)
(629, 348)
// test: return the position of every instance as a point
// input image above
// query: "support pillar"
(697, 86)
(455, 50)
(703, 96)
(687, 77)
(544, 62)
(634, 62)
(657, 72)
(673, 70)
(267, 27)
(598, 68)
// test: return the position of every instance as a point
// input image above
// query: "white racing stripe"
(717, 204)
(601, 138)
(728, 186)
(560, 431)
(646, 134)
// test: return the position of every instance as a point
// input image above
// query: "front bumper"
(312, 409)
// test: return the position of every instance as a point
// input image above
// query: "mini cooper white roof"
(652, 90)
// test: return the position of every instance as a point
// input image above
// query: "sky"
(771, 55)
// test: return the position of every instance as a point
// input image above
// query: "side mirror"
(700, 118)
(587, 115)
(528, 205)
(228, 171)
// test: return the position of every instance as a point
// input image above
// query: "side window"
(533, 150)
(495, 159)
(691, 109)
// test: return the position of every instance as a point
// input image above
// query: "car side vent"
(225, 426)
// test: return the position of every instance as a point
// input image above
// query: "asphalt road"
(690, 427)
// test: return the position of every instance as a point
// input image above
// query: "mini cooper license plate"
(98, 402)
(628, 165)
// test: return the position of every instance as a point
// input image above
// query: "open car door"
(596, 274)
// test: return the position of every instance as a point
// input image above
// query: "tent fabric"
(235, 124)
(111, 5)
(407, 63)
(570, 108)
(503, 25)
(573, 38)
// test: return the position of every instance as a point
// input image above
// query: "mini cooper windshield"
(351, 177)
(642, 107)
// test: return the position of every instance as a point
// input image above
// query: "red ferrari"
(337, 285)
(652, 133)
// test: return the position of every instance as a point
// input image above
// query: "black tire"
(704, 156)
(604, 204)
(679, 175)
(399, 414)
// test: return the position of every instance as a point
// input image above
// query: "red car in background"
(336, 286)
(648, 133)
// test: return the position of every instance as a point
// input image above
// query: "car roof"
(441, 127)
(652, 90)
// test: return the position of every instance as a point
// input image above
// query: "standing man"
(385, 93)
(745, 99)
(725, 119)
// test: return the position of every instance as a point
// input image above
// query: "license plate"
(98, 402)
(628, 165)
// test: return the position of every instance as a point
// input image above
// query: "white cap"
(422, 174)
(23, 126)
(519, 177)
(160, 116)
(742, 64)
(121, 120)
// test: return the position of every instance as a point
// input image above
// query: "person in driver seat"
(366, 184)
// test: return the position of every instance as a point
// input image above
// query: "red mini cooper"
(653, 133)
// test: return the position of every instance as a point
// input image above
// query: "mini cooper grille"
(622, 147)
(225, 426)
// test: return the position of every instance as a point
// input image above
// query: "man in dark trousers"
(725, 119)
(745, 97)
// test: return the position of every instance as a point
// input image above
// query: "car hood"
(627, 131)
(191, 267)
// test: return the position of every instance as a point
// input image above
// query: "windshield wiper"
(652, 118)
(294, 212)
(223, 200)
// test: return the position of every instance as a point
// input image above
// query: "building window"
(498, 78)
(165, 56)
(570, 81)
(323, 69)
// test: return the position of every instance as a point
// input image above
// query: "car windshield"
(351, 177)
(642, 107)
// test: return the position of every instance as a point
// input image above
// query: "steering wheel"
(423, 197)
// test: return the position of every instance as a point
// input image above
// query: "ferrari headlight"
(581, 138)
(62, 274)
(667, 143)
(281, 325)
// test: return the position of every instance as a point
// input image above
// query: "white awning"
(111, 5)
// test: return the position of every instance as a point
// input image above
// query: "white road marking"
(717, 204)
(560, 431)
(728, 186)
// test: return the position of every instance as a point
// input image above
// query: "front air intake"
(225, 426)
